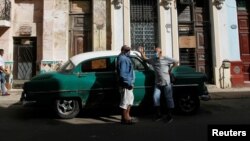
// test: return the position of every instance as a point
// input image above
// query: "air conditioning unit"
(186, 1)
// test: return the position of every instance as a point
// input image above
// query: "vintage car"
(90, 79)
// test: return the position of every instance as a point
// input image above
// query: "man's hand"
(141, 49)
(130, 87)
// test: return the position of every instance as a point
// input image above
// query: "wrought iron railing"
(144, 25)
(5, 6)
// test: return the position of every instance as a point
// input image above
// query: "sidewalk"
(228, 93)
(215, 93)
(15, 95)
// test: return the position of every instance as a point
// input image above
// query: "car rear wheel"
(188, 103)
(67, 108)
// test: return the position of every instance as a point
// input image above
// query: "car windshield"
(66, 67)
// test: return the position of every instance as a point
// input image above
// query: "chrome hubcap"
(66, 106)
(187, 104)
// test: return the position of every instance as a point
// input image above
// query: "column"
(117, 26)
(99, 25)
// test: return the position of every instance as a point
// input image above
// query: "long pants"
(3, 81)
(167, 94)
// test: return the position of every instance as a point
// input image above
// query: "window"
(96, 65)
(144, 24)
(241, 5)
(137, 64)
(67, 67)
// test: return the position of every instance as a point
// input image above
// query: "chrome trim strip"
(181, 85)
(63, 91)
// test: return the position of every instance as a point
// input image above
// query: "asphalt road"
(18, 123)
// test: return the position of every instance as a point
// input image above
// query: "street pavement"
(17, 124)
(214, 92)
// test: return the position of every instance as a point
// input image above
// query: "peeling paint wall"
(27, 21)
(55, 32)
(99, 28)
(55, 35)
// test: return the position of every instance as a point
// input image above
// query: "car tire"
(187, 103)
(67, 108)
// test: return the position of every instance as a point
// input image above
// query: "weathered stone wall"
(27, 21)
(55, 33)
(27, 17)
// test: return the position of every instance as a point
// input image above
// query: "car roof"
(95, 54)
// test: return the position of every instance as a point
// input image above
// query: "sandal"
(130, 121)
(127, 122)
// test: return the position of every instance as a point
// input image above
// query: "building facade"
(211, 36)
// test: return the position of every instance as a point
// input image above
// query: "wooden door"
(243, 23)
(80, 34)
(80, 27)
(194, 36)
(202, 33)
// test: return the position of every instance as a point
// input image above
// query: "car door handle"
(100, 93)
(80, 74)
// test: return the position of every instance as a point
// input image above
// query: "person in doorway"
(126, 80)
(3, 71)
(163, 86)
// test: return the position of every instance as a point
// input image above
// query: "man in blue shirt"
(126, 80)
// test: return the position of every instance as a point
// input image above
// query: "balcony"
(5, 7)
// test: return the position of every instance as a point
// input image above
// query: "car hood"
(45, 76)
(45, 82)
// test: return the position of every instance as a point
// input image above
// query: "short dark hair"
(125, 48)
(1, 50)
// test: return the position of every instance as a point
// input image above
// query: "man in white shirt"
(2, 74)
(163, 86)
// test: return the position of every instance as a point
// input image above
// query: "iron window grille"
(5, 7)
(144, 25)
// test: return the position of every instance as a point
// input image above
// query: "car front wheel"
(188, 104)
(67, 108)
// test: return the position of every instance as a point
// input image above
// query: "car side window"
(96, 65)
(137, 64)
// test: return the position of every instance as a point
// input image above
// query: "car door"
(99, 77)
(144, 81)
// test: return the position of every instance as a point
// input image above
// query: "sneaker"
(168, 119)
(134, 119)
(158, 118)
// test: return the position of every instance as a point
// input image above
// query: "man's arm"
(123, 66)
(2, 69)
(175, 63)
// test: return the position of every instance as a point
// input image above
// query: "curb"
(216, 95)
(228, 93)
